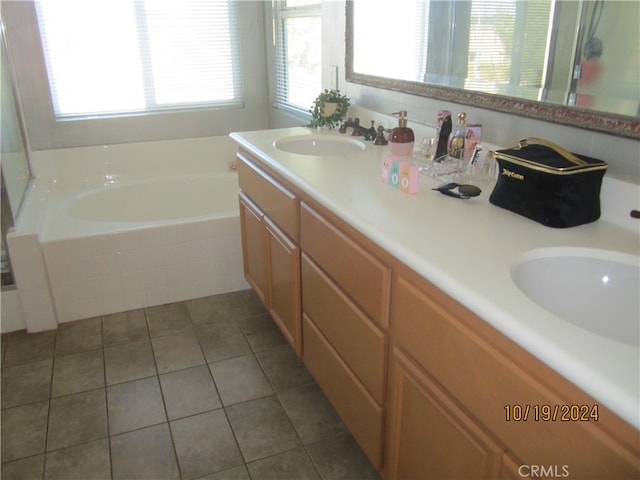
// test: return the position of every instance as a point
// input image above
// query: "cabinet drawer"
(365, 279)
(355, 338)
(278, 203)
(460, 352)
(359, 411)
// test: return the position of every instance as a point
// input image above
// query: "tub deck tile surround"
(201, 388)
(123, 271)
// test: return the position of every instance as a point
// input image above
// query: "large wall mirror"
(565, 61)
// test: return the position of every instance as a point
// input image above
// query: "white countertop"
(467, 248)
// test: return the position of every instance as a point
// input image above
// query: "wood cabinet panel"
(441, 336)
(358, 341)
(253, 247)
(430, 437)
(359, 411)
(515, 470)
(284, 285)
(278, 203)
(269, 220)
(364, 277)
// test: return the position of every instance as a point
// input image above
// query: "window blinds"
(504, 42)
(117, 57)
(297, 44)
(508, 46)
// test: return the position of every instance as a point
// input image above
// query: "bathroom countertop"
(467, 248)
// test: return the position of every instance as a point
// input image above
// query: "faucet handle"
(380, 140)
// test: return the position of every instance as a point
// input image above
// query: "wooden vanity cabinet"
(422, 383)
(465, 374)
(271, 256)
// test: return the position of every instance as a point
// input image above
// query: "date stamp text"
(551, 413)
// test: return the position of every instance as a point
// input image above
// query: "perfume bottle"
(444, 130)
(457, 140)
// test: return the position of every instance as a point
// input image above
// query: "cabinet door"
(254, 247)
(429, 436)
(284, 285)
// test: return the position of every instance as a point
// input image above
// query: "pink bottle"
(409, 177)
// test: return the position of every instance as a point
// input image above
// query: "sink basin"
(319, 145)
(596, 290)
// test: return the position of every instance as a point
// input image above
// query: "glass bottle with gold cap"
(457, 140)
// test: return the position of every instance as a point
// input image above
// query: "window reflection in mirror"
(485, 50)
(555, 51)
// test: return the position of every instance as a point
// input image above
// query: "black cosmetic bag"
(546, 183)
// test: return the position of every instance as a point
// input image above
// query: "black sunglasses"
(464, 191)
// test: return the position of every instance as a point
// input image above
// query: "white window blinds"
(508, 46)
(495, 46)
(118, 57)
(297, 43)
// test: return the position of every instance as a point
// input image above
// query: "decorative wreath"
(320, 118)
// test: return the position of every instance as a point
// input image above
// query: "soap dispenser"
(401, 139)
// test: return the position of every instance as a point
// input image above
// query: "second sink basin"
(596, 290)
(319, 145)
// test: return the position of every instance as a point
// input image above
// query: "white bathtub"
(131, 244)
(159, 199)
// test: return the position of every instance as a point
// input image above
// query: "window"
(508, 46)
(297, 42)
(401, 54)
(114, 57)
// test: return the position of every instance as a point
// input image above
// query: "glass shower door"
(14, 161)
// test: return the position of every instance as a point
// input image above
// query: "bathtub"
(128, 244)
(156, 200)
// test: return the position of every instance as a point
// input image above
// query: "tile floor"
(206, 388)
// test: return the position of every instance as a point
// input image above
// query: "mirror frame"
(619, 125)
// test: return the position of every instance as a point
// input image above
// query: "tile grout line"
(164, 404)
(46, 437)
(106, 397)
(223, 406)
